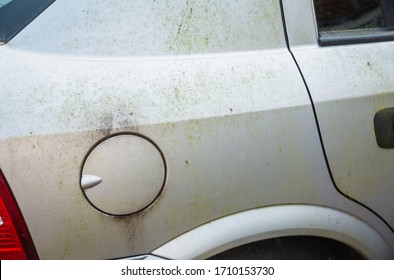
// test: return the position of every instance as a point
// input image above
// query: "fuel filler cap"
(123, 174)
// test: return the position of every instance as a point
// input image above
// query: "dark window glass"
(16, 14)
(352, 19)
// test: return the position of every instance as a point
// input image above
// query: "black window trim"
(342, 39)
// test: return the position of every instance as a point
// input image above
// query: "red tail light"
(15, 240)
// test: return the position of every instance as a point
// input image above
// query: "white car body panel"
(144, 28)
(193, 148)
(234, 122)
(348, 85)
(74, 95)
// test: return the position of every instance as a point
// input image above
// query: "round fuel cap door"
(123, 174)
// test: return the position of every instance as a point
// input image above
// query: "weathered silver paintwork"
(229, 110)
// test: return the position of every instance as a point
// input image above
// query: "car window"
(353, 21)
(16, 14)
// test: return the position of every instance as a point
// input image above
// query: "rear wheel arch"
(279, 221)
(291, 248)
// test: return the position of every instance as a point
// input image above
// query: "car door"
(345, 51)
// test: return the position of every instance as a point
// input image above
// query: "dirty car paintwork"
(195, 132)
(231, 119)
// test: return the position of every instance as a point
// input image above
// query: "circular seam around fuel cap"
(123, 174)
